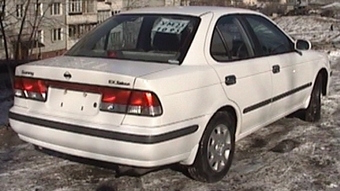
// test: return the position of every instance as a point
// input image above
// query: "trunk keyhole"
(61, 104)
(95, 104)
(82, 108)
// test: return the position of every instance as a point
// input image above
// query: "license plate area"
(76, 102)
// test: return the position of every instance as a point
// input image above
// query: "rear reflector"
(30, 88)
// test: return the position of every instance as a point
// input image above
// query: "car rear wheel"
(313, 111)
(216, 149)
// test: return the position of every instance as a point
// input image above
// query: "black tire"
(203, 167)
(313, 111)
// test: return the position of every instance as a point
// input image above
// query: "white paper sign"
(171, 26)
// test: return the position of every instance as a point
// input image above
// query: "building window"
(77, 31)
(40, 36)
(2, 14)
(115, 12)
(39, 9)
(75, 6)
(1, 41)
(56, 9)
(57, 34)
(19, 10)
(102, 15)
(88, 6)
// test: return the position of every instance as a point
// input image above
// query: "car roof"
(190, 10)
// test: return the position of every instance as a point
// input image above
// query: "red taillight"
(30, 88)
(32, 85)
(132, 102)
(145, 99)
(116, 96)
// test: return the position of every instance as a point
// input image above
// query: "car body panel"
(293, 83)
(116, 149)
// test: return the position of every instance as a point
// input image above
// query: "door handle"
(275, 69)
(230, 80)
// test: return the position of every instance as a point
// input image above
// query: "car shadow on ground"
(117, 170)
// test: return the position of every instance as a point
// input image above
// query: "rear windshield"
(152, 38)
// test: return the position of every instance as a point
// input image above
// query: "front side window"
(156, 38)
(271, 39)
(229, 41)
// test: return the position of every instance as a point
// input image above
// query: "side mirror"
(302, 45)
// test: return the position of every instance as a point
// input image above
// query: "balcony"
(81, 18)
(81, 11)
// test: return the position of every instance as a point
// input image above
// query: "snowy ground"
(289, 155)
(314, 28)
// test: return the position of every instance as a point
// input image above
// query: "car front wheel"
(216, 149)
(313, 111)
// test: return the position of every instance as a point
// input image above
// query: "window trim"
(53, 8)
(55, 34)
(41, 36)
(77, 6)
(38, 8)
(19, 13)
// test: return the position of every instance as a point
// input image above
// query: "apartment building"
(50, 28)
(177, 2)
(81, 17)
(132, 4)
(249, 2)
(53, 26)
(104, 10)
(42, 32)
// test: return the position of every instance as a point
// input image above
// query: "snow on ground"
(313, 28)
(289, 155)
(335, 5)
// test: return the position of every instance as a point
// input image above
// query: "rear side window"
(229, 41)
(272, 40)
(153, 38)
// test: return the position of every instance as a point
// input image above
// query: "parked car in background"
(157, 86)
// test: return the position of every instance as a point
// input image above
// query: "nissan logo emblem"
(67, 75)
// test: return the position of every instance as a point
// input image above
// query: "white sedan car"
(158, 86)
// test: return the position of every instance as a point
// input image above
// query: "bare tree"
(2, 28)
(3, 33)
(20, 23)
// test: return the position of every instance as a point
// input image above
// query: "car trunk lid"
(76, 86)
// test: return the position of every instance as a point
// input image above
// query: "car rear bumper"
(92, 141)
